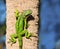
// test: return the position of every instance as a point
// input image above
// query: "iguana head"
(27, 12)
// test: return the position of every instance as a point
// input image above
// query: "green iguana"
(21, 27)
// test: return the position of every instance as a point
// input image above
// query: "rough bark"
(10, 22)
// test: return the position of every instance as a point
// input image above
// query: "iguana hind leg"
(25, 32)
(13, 38)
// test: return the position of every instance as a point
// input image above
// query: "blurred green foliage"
(3, 28)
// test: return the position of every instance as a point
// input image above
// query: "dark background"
(2, 24)
(50, 24)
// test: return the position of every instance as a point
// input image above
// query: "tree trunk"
(10, 22)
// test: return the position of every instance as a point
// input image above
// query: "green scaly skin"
(21, 27)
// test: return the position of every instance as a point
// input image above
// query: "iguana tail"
(20, 41)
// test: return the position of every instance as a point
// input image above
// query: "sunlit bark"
(33, 24)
